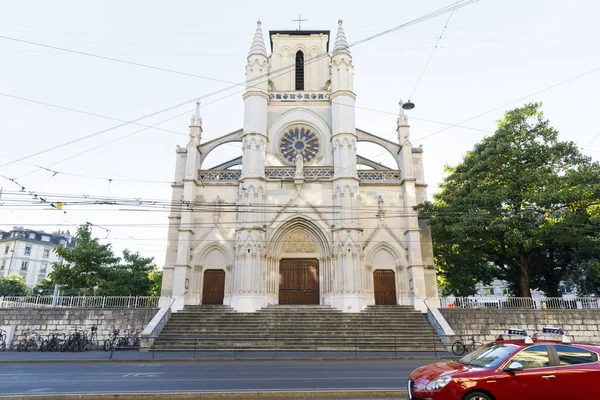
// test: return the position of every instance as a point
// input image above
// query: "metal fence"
(80, 301)
(520, 302)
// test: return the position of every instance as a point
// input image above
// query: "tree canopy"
(13, 285)
(521, 206)
(91, 268)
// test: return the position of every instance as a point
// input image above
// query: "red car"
(513, 368)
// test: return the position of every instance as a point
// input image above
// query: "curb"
(347, 394)
(224, 360)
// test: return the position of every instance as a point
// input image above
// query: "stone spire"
(341, 44)
(258, 43)
(196, 119)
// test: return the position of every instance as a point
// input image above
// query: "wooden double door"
(213, 286)
(299, 281)
(384, 286)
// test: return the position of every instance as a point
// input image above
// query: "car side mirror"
(514, 366)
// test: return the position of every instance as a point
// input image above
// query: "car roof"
(521, 343)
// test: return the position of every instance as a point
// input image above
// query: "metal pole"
(112, 349)
(55, 296)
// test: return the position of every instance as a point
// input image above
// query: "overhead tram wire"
(76, 199)
(86, 112)
(433, 51)
(510, 103)
(433, 14)
(55, 205)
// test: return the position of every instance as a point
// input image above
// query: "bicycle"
(459, 347)
(31, 341)
(53, 343)
(109, 343)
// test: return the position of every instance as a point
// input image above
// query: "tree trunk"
(524, 275)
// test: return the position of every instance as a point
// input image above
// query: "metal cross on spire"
(299, 20)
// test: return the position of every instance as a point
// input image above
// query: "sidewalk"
(135, 356)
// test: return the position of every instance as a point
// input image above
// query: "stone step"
(298, 328)
(306, 325)
(263, 331)
(318, 316)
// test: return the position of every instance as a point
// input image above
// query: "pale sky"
(492, 54)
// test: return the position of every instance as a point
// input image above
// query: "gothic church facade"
(294, 220)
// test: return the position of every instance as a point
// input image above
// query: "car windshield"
(490, 356)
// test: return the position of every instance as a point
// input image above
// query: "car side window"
(533, 357)
(568, 355)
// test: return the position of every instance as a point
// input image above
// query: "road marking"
(142, 375)
(39, 390)
(231, 379)
(149, 365)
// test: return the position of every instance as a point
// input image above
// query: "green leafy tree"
(156, 276)
(521, 200)
(129, 277)
(83, 267)
(13, 285)
(44, 287)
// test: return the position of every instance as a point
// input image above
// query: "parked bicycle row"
(74, 341)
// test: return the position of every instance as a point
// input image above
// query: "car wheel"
(477, 396)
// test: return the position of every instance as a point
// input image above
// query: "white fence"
(80, 301)
(520, 302)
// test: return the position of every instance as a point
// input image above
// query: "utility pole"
(11, 258)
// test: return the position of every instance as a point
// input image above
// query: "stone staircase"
(298, 328)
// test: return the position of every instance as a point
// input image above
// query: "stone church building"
(294, 220)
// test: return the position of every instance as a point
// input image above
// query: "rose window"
(299, 140)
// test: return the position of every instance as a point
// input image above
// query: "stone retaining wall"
(66, 320)
(486, 324)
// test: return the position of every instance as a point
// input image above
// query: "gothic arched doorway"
(299, 281)
(384, 286)
(213, 286)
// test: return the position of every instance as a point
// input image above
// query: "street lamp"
(10, 262)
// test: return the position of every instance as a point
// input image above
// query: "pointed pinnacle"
(258, 43)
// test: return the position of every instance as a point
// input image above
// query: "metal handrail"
(520, 302)
(80, 301)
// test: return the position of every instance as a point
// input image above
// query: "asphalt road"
(173, 377)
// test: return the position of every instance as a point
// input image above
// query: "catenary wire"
(316, 58)
(432, 52)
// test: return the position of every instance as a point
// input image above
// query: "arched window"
(299, 70)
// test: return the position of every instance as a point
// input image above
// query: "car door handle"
(548, 377)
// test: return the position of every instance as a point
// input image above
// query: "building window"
(3, 264)
(32, 236)
(45, 238)
(44, 267)
(505, 291)
(46, 253)
(24, 265)
(487, 291)
(27, 250)
(299, 70)
(568, 355)
(6, 249)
